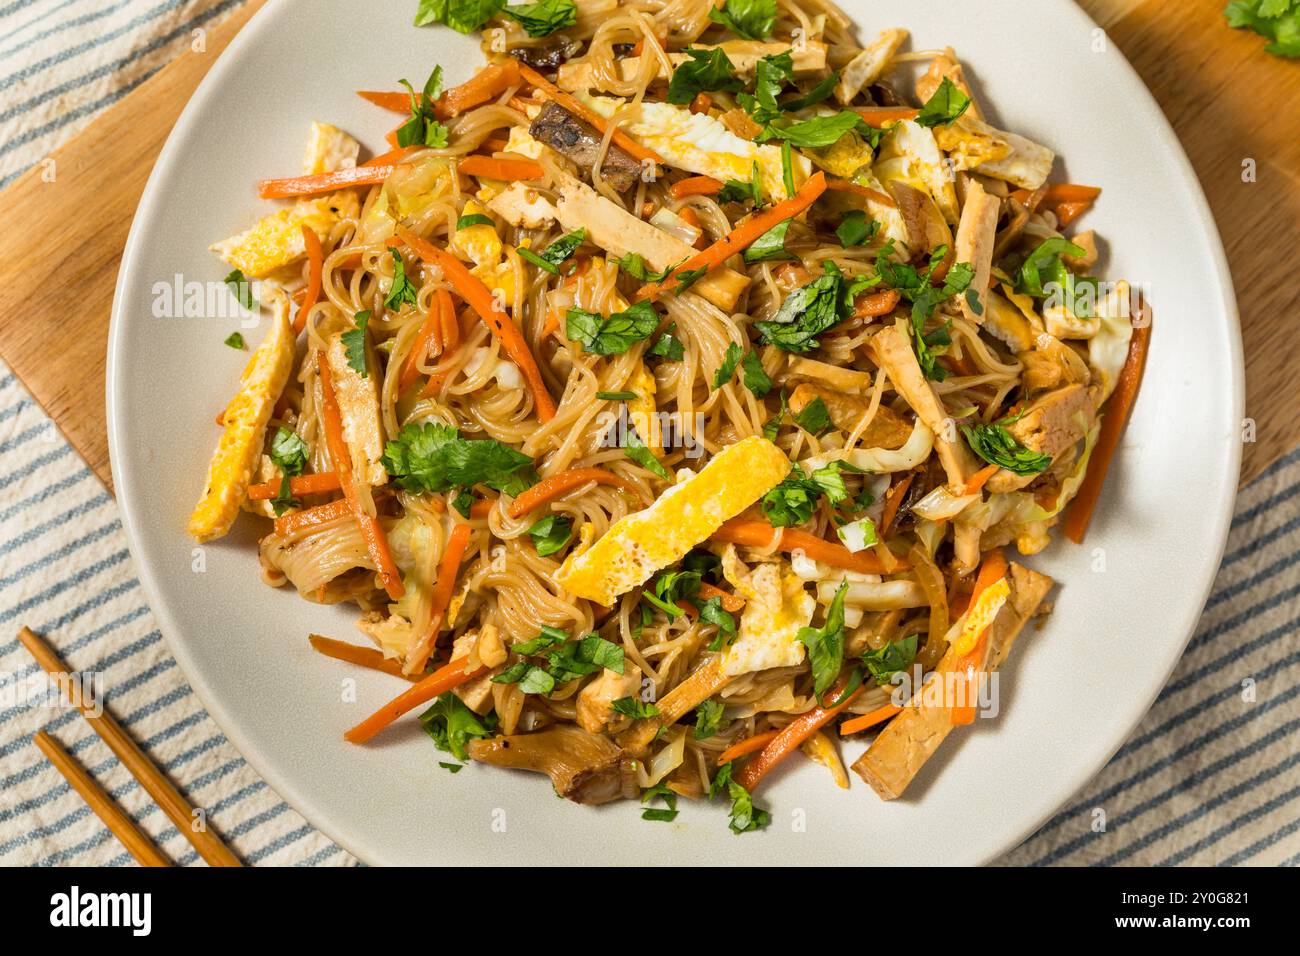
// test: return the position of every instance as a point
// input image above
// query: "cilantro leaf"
(288, 451)
(856, 229)
(658, 814)
(751, 19)
(818, 132)
(667, 346)
(401, 290)
(613, 335)
(826, 643)
(733, 190)
(529, 678)
(944, 107)
(756, 380)
(815, 418)
(242, 289)
(634, 265)
(544, 17)
(997, 446)
(730, 359)
(635, 708)
(805, 314)
(463, 16)
(636, 450)
(895, 656)
(707, 71)
(708, 719)
(745, 817)
(452, 725)
(354, 344)
(712, 612)
(770, 245)
(553, 256)
(432, 457)
(235, 340)
(791, 502)
(550, 534)
(1044, 274)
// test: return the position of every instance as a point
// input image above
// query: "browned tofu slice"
(358, 397)
(910, 739)
(976, 236)
(887, 429)
(1053, 423)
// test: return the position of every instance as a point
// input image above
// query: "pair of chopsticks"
(164, 793)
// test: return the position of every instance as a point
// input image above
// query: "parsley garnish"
(544, 17)
(856, 229)
(999, 447)
(770, 245)
(550, 534)
(730, 359)
(826, 643)
(354, 344)
(432, 457)
(474, 219)
(733, 190)
(423, 128)
(751, 19)
(708, 719)
(895, 656)
(712, 612)
(667, 346)
(635, 708)
(944, 107)
(242, 289)
(814, 418)
(615, 334)
(289, 454)
(707, 71)
(452, 725)
(463, 16)
(235, 340)
(820, 131)
(634, 265)
(401, 290)
(744, 815)
(553, 256)
(658, 814)
(1276, 20)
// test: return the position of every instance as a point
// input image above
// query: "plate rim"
(130, 504)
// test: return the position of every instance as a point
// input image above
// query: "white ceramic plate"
(1074, 689)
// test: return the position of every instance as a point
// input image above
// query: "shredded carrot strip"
(312, 517)
(323, 182)
(370, 657)
(439, 682)
(882, 116)
(392, 157)
(315, 266)
(448, 568)
(298, 485)
(872, 304)
(747, 746)
(992, 570)
(844, 186)
(480, 88)
(485, 167)
(429, 336)
(695, 186)
(759, 534)
(789, 738)
(494, 145)
(701, 103)
(730, 602)
(372, 532)
(742, 237)
(1115, 417)
(893, 501)
(1067, 212)
(556, 485)
(858, 724)
(395, 101)
(979, 479)
(1071, 192)
(474, 292)
(581, 110)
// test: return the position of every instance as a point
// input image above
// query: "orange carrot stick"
(1113, 420)
(484, 85)
(992, 570)
(323, 182)
(695, 186)
(369, 657)
(872, 304)
(430, 335)
(312, 517)
(485, 167)
(440, 600)
(372, 532)
(730, 602)
(858, 724)
(315, 266)
(1067, 212)
(556, 485)
(1071, 192)
(392, 157)
(788, 739)
(439, 682)
(844, 186)
(893, 501)
(747, 746)
(581, 110)
(742, 237)
(759, 534)
(474, 292)
(978, 480)
(882, 116)
(298, 485)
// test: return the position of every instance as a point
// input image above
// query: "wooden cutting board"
(1232, 105)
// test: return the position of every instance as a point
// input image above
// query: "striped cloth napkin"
(1210, 777)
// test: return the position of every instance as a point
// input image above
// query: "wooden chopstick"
(123, 827)
(155, 783)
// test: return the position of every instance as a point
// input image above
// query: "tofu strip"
(619, 233)
(894, 354)
(976, 236)
(910, 739)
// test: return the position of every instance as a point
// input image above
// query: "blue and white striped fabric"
(66, 573)
(1211, 777)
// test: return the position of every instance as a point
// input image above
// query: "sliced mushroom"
(580, 141)
(584, 767)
